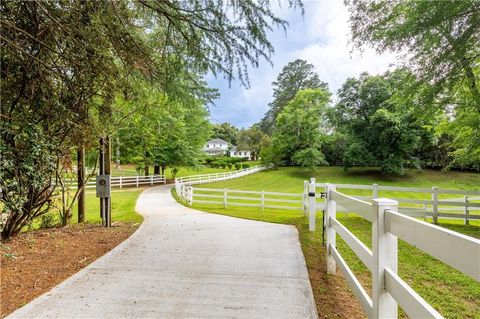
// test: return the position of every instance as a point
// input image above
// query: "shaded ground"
(34, 262)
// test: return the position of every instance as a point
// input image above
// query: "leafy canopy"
(295, 76)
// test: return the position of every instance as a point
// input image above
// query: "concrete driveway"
(183, 263)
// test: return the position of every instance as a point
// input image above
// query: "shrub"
(245, 165)
(49, 220)
(229, 165)
(223, 165)
(238, 166)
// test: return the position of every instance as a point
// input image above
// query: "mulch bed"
(34, 262)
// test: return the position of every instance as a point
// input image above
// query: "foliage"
(161, 130)
(439, 40)
(226, 132)
(64, 64)
(381, 129)
(300, 130)
(334, 148)
(252, 139)
(238, 166)
(295, 76)
(174, 172)
(27, 174)
(271, 156)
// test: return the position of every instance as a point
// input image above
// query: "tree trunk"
(156, 169)
(164, 167)
(80, 183)
(147, 170)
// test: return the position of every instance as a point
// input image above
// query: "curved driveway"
(183, 263)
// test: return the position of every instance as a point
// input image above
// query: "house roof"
(236, 149)
(217, 141)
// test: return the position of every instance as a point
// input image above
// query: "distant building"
(239, 153)
(217, 146)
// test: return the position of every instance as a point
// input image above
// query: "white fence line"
(184, 184)
(122, 181)
(261, 199)
(435, 207)
(388, 289)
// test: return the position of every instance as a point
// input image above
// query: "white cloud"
(321, 38)
(331, 52)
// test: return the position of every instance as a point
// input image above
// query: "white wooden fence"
(388, 289)
(132, 181)
(459, 207)
(184, 184)
(231, 197)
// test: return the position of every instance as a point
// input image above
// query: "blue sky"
(321, 37)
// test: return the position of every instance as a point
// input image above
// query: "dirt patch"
(34, 262)
(332, 295)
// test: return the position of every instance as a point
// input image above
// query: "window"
(208, 145)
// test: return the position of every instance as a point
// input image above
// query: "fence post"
(375, 190)
(120, 179)
(190, 195)
(330, 211)
(466, 211)
(311, 204)
(385, 255)
(435, 204)
(225, 196)
(137, 180)
(304, 197)
(263, 200)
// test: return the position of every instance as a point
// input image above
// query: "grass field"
(453, 294)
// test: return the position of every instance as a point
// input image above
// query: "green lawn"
(453, 294)
(123, 206)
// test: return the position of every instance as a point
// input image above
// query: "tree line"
(425, 113)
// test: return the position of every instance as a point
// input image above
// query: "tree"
(381, 129)
(226, 132)
(253, 140)
(165, 132)
(295, 76)
(300, 130)
(441, 37)
(62, 64)
(440, 40)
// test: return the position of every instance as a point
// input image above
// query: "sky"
(321, 37)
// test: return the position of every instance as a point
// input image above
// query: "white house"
(239, 153)
(217, 146)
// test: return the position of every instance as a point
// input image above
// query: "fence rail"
(435, 207)
(260, 199)
(184, 184)
(122, 181)
(388, 289)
